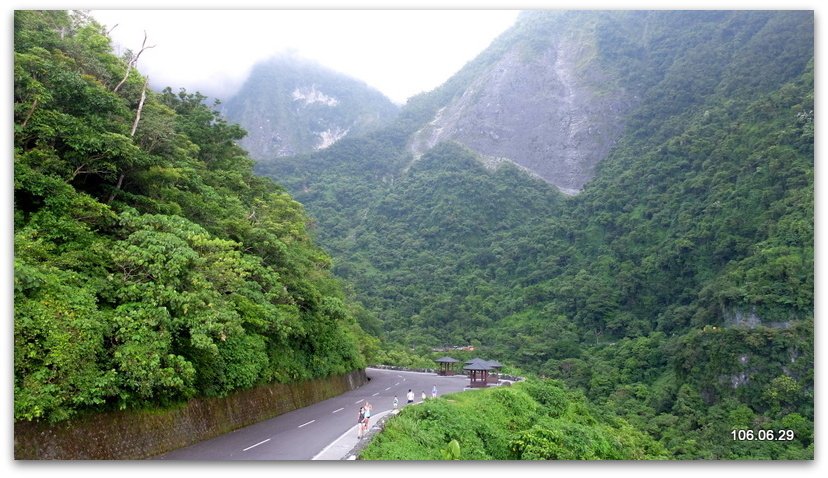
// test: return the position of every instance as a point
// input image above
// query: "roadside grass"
(531, 420)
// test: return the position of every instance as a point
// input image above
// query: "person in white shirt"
(368, 408)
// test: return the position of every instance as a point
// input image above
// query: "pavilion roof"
(481, 365)
(476, 360)
(447, 360)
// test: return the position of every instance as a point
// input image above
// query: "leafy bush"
(503, 424)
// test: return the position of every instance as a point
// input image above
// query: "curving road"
(301, 434)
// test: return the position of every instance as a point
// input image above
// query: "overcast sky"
(399, 52)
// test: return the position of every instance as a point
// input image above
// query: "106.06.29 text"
(762, 435)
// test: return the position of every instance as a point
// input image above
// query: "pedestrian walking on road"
(434, 392)
(410, 396)
(396, 402)
(424, 395)
(366, 418)
(360, 422)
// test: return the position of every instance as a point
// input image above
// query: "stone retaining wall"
(140, 434)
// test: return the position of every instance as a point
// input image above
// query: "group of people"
(410, 395)
(365, 410)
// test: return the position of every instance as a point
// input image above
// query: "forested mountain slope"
(150, 264)
(676, 288)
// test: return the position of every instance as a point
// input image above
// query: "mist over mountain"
(290, 105)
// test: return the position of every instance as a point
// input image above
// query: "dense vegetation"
(150, 264)
(534, 420)
(675, 290)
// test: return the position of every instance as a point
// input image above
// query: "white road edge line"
(300, 426)
(257, 444)
(350, 430)
(338, 410)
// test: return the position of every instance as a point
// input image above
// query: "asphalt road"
(301, 434)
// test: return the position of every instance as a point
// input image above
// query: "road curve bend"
(302, 434)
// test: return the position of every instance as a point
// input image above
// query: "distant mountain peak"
(290, 105)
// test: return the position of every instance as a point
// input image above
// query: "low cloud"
(401, 53)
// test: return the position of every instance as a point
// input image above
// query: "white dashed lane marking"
(257, 444)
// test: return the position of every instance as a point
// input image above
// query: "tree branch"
(117, 188)
(131, 134)
(140, 108)
(30, 113)
(133, 61)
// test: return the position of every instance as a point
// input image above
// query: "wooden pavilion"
(446, 365)
(494, 376)
(478, 371)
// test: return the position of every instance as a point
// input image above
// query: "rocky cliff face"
(292, 106)
(547, 107)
